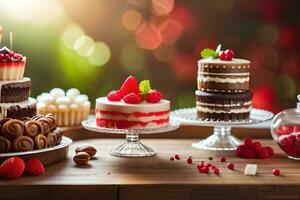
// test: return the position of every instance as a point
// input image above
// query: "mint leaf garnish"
(144, 87)
(217, 51)
(207, 53)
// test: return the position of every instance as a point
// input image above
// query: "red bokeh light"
(185, 67)
(148, 36)
(288, 37)
(264, 97)
(183, 16)
(170, 30)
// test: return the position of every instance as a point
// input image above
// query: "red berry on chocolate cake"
(223, 86)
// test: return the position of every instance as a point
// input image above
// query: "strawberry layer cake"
(133, 106)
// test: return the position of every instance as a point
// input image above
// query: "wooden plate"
(46, 156)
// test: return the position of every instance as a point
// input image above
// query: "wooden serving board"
(47, 156)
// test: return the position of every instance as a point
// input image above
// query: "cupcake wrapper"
(12, 70)
(68, 117)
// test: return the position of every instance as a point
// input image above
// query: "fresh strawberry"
(12, 168)
(33, 166)
(130, 85)
(153, 96)
(133, 98)
(114, 96)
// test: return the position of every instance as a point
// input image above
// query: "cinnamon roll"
(23, 143)
(13, 129)
(41, 141)
(33, 128)
(4, 144)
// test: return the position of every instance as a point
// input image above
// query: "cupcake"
(12, 65)
(69, 108)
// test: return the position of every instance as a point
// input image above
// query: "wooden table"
(157, 177)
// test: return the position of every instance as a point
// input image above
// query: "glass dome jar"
(285, 129)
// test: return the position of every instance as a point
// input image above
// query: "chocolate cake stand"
(132, 147)
(221, 138)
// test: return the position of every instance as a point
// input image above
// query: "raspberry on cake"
(12, 65)
(140, 107)
(223, 86)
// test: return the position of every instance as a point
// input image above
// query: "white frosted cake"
(118, 114)
(133, 106)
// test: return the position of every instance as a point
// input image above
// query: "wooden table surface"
(157, 177)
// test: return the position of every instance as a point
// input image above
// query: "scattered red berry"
(34, 167)
(230, 166)
(216, 171)
(130, 85)
(222, 55)
(177, 157)
(204, 170)
(223, 159)
(172, 159)
(213, 167)
(12, 168)
(229, 54)
(207, 165)
(276, 172)
(200, 165)
(154, 96)
(114, 96)
(189, 160)
(132, 98)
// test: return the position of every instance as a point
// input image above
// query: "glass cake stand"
(221, 138)
(132, 147)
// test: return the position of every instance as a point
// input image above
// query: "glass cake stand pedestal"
(132, 147)
(221, 138)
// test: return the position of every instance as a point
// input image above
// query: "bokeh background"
(95, 44)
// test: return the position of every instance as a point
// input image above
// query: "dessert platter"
(223, 99)
(22, 132)
(134, 109)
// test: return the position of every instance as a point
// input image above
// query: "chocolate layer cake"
(15, 91)
(18, 110)
(215, 75)
(223, 106)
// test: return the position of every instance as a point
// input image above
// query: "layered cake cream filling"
(222, 80)
(230, 110)
(4, 107)
(117, 114)
(12, 70)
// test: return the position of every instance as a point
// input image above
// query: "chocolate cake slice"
(18, 110)
(15, 91)
(223, 106)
